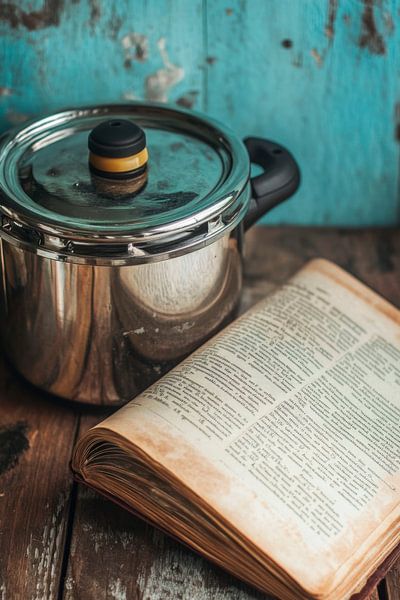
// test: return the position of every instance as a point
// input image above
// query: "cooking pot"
(119, 261)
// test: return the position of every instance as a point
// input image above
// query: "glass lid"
(187, 171)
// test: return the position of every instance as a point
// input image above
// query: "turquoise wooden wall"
(321, 76)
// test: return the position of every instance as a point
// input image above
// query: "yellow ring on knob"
(119, 165)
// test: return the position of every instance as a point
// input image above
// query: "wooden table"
(59, 540)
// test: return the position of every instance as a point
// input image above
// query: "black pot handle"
(279, 181)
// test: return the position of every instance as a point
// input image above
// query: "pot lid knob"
(117, 149)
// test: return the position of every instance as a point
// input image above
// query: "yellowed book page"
(288, 423)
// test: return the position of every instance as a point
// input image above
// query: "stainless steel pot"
(109, 276)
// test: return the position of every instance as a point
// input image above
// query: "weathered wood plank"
(274, 254)
(321, 77)
(36, 437)
(392, 581)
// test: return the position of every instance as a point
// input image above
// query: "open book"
(274, 449)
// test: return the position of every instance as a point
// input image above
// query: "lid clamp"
(21, 232)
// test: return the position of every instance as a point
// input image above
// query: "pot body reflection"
(101, 335)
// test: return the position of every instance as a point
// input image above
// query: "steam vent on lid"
(118, 150)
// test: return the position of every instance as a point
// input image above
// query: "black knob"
(117, 149)
(117, 138)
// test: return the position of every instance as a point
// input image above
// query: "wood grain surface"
(36, 437)
(320, 76)
(59, 540)
(392, 582)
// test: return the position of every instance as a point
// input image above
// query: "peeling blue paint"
(320, 76)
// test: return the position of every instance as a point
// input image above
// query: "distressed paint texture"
(322, 77)
(101, 51)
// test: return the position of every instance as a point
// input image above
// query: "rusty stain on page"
(158, 84)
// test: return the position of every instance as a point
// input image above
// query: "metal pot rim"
(126, 252)
(48, 237)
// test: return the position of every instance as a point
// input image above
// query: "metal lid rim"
(228, 194)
